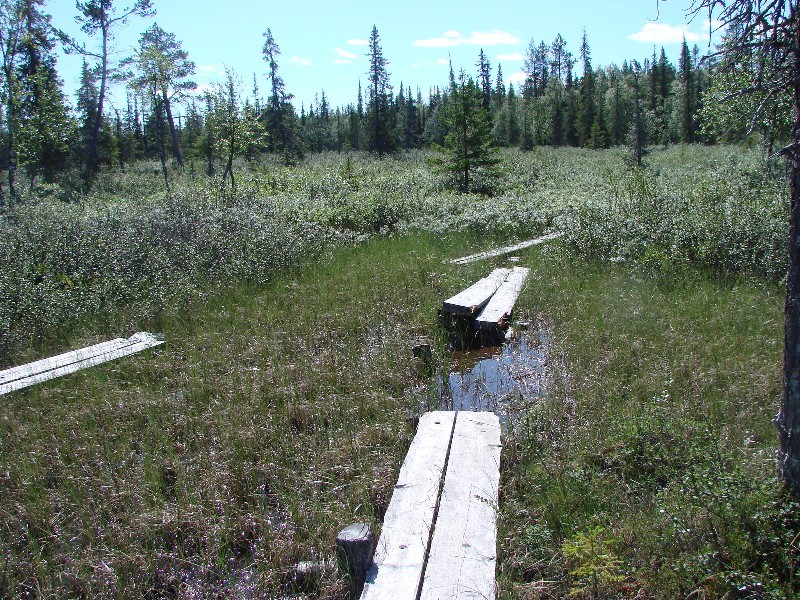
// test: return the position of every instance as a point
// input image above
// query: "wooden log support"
(506, 250)
(439, 534)
(497, 312)
(474, 298)
(49, 368)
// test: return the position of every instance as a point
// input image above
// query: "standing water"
(506, 380)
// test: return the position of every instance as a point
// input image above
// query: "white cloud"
(301, 61)
(202, 89)
(493, 38)
(518, 78)
(514, 56)
(345, 54)
(357, 42)
(208, 70)
(450, 38)
(341, 61)
(662, 33)
(440, 42)
(435, 63)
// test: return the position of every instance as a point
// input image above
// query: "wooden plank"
(61, 365)
(475, 297)
(463, 552)
(506, 250)
(396, 571)
(61, 360)
(499, 308)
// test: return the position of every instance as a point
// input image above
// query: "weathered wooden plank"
(499, 308)
(61, 360)
(463, 552)
(506, 250)
(397, 567)
(70, 362)
(475, 297)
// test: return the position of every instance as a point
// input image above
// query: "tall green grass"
(276, 412)
(273, 416)
(649, 467)
(131, 246)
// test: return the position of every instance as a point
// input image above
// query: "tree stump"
(354, 546)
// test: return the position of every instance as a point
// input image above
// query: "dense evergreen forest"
(565, 100)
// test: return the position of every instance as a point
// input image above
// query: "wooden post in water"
(354, 546)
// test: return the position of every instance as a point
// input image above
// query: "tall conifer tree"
(380, 137)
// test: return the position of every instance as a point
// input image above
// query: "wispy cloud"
(451, 38)
(357, 42)
(208, 70)
(301, 61)
(202, 89)
(518, 77)
(342, 61)
(663, 33)
(514, 56)
(435, 63)
(344, 54)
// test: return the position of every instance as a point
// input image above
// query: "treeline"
(563, 101)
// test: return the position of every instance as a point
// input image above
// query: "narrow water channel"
(504, 379)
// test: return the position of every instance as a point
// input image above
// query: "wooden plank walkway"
(462, 558)
(497, 311)
(39, 371)
(439, 535)
(475, 297)
(397, 566)
(506, 250)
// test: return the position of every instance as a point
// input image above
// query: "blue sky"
(323, 45)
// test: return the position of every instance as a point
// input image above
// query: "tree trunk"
(92, 153)
(12, 150)
(172, 131)
(11, 119)
(787, 420)
(229, 164)
(162, 152)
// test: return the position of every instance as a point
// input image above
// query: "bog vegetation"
(292, 260)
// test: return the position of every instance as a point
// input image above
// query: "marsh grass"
(272, 417)
(277, 412)
(654, 441)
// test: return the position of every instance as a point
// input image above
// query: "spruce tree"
(559, 57)
(638, 135)
(587, 109)
(379, 138)
(686, 97)
(45, 127)
(485, 79)
(12, 18)
(281, 118)
(512, 127)
(467, 146)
